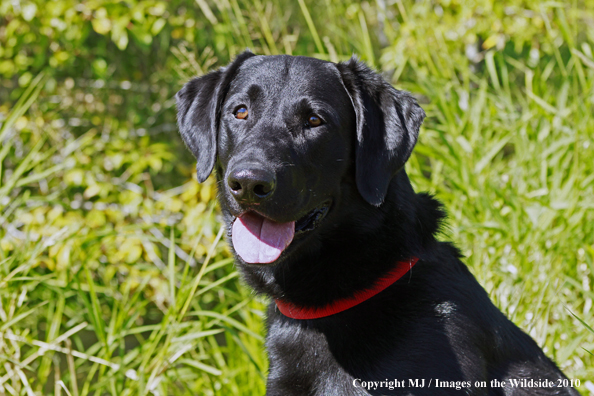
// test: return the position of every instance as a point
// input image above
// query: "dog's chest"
(301, 364)
(339, 361)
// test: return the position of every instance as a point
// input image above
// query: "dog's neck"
(359, 296)
(355, 251)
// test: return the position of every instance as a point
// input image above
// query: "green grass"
(114, 278)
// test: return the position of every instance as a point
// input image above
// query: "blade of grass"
(22, 105)
(311, 26)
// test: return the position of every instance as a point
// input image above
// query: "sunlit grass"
(115, 281)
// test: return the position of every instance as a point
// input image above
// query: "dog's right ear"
(198, 111)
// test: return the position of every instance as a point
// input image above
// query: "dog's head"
(292, 136)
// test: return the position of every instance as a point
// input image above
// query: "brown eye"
(241, 113)
(314, 121)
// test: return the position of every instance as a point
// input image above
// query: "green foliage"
(83, 260)
(113, 275)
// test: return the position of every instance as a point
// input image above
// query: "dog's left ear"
(388, 122)
(198, 110)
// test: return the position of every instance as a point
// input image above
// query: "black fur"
(436, 322)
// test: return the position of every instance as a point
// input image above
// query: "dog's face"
(283, 148)
(297, 139)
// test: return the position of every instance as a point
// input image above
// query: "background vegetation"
(114, 279)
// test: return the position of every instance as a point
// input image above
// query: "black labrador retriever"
(309, 157)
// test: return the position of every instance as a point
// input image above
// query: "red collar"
(293, 311)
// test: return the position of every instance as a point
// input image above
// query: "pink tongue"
(259, 240)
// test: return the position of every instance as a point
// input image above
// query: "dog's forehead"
(278, 72)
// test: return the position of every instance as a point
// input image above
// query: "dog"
(309, 157)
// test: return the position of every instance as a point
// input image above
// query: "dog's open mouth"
(258, 240)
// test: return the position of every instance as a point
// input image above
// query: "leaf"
(63, 257)
(101, 25)
(121, 39)
(158, 25)
(143, 36)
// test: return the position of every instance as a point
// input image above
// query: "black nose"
(251, 184)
